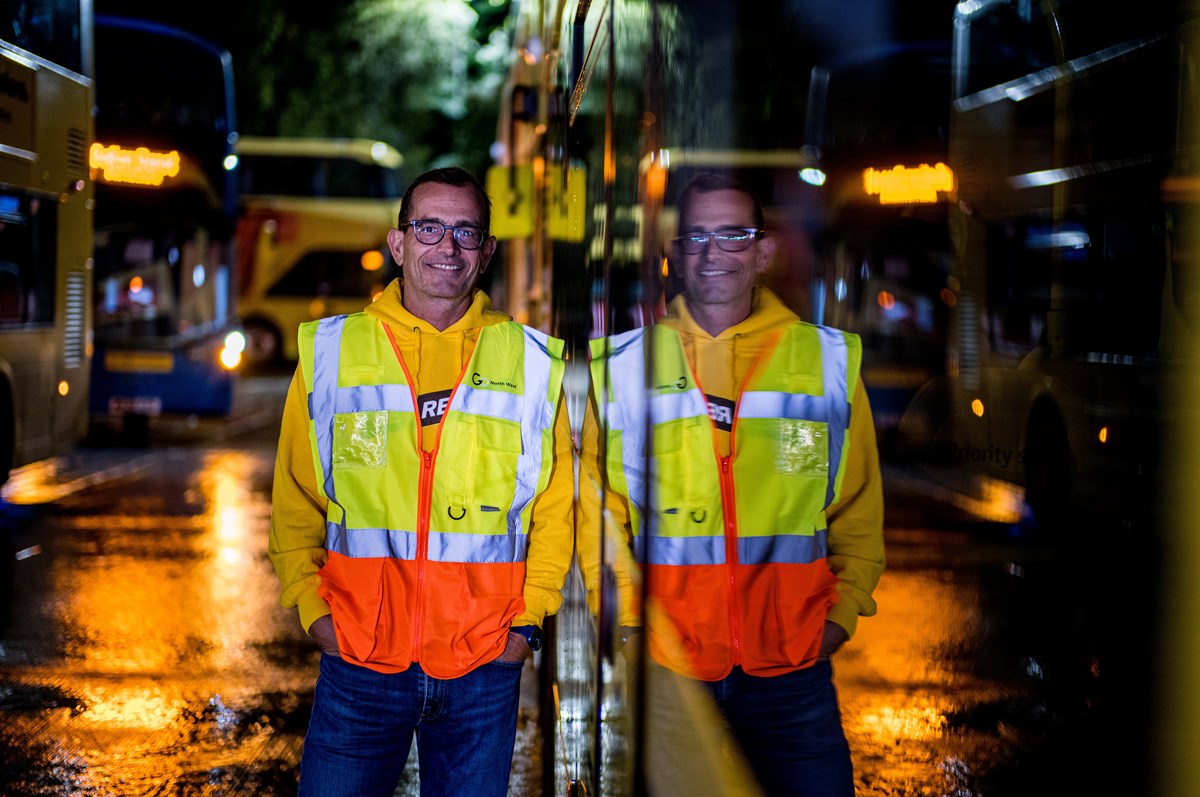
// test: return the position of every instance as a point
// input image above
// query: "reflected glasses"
(727, 239)
(431, 232)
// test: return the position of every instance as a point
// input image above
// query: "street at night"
(143, 650)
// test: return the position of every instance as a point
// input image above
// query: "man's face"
(444, 270)
(713, 276)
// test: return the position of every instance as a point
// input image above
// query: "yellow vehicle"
(312, 234)
(46, 196)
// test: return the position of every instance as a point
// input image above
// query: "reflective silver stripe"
(834, 358)
(490, 403)
(626, 412)
(374, 398)
(443, 546)
(797, 406)
(656, 550)
(326, 354)
(782, 549)
(776, 549)
(370, 543)
(537, 417)
(477, 548)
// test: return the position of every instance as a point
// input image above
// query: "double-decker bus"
(45, 228)
(876, 148)
(167, 341)
(1071, 272)
(312, 233)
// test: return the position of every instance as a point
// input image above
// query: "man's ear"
(764, 253)
(395, 241)
(489, 249)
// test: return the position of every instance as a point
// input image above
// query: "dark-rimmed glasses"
(727, 239)
(430, 232)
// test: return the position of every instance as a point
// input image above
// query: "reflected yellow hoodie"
(721, 363)
(435, 359)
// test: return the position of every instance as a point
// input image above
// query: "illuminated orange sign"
(901, 184)
(139, 166)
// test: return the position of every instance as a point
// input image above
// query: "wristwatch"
(532, 634)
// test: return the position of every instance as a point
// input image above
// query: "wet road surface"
(143, 651)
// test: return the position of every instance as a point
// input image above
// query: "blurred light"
(198, 275)
(664, 267)
(902, 184)
(230, 163)
(379, 151)
(839, 289)
(138, 166)
(885, 299)
(235, 340)
(968, 7)
(316, 308)
(230, 355)
(64, 388)
(1103, 434)
(812, 176)
(977, 408)
(136, 284)
(372, 260)
(1070, 239)
(948, 297)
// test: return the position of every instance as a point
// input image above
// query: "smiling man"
(422, 512)
(761, 530)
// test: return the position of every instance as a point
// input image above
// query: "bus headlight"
(231, 351)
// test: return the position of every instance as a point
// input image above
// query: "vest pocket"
(784, 608)
(360, 440)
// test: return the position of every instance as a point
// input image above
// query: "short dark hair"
(707, 182)
(450, 175)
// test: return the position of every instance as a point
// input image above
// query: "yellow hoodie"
(720, 363)
(435, 358)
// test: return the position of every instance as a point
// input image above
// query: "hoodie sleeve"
(297, 538)
(551, 530)
(856, 521)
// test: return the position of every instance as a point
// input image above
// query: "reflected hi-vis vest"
(427, 549)
(734, 546)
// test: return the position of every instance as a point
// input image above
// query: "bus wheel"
(1048, 469)
(263, 346)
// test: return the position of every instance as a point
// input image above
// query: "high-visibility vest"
(734, 547)
(427, 549)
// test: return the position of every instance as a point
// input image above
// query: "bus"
(45, 229)
(312, 231)
(876, 150)
(1072, 286)
(167, 340)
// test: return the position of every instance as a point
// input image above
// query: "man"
(763, 538)
(422, 511)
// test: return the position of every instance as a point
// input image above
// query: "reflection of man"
(422, 512)
(763, 538)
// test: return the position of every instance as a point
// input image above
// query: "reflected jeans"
(363, 724)
(789, 729)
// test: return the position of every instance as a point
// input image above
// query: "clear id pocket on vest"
(360, 440)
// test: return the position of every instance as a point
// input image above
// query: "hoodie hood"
(389, 308)
(767, 313)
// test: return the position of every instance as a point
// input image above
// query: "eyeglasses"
(727, 239)
(431, 232)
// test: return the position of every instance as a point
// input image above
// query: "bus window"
(312, 232)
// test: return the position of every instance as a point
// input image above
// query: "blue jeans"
(789, 728)
(363, 724)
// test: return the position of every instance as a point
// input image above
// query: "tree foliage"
(423, 75)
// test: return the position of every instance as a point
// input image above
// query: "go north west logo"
(479, 381)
